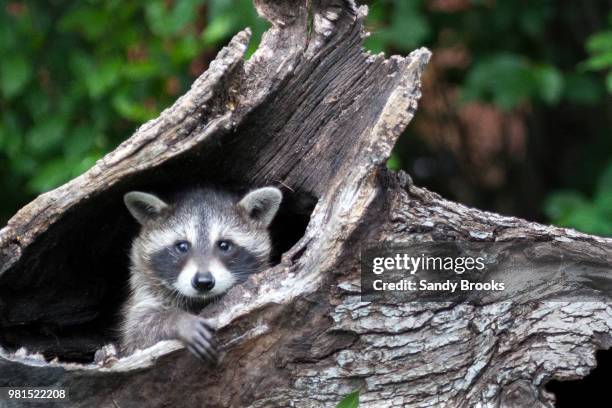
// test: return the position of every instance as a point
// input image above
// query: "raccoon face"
(204, 242)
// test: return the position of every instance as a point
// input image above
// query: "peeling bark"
(312, 112)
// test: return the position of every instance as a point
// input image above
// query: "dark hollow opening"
(589, 391)
(63, 297)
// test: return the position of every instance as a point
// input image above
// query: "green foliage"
(573, 209)
(507, 80)
(407, 28)
(395, 162)
(511, 61)
(350, 401)
(15, 72)
(227, 17)
(599, 47)
(77, 77)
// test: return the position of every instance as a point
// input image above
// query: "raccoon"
(190, 251)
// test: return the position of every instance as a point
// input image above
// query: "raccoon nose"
(203, 281)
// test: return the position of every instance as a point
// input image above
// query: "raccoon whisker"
(242, 277)
(248, 271)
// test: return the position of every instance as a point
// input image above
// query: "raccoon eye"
(224, 245)
(182, 246)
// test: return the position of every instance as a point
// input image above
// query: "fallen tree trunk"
(312, 112)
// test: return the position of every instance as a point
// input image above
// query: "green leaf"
(549, 81)
(15, 72)
(90, 21)
(219, 29)
(156, 16)
(603, 202)
(85, 164)
(219, 7)
(562, 204)
(350, 401)
(504, 79)
(100, 79)
(79, 142)
(132, 110)
(184, 50)
(588, 219)
(183, 13)
(168, 21)
(38, 103)
(49, 176)
(8, 36)
(508, 80)
(140, 70)
(46, 135)
(409, 26)
(374, 44)
(599, 61)
(601, 41)
(394, 163)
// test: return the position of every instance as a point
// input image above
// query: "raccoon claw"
(204, 354)
(208, 324)
(198, 337)
(204, 349)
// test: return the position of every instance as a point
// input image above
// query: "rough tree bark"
(314, 113)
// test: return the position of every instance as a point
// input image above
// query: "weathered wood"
(314, 113)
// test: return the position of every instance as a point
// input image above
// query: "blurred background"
(515, 115)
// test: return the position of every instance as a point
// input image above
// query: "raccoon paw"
(197, 333)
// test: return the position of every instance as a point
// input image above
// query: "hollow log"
(316, 115)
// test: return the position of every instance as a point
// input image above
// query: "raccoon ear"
(262, 204)
(143, 206)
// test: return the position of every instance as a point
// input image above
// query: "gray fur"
(163, 301)
(144, 206)
(262, 204)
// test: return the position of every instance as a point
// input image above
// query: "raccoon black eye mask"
(191, 249)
